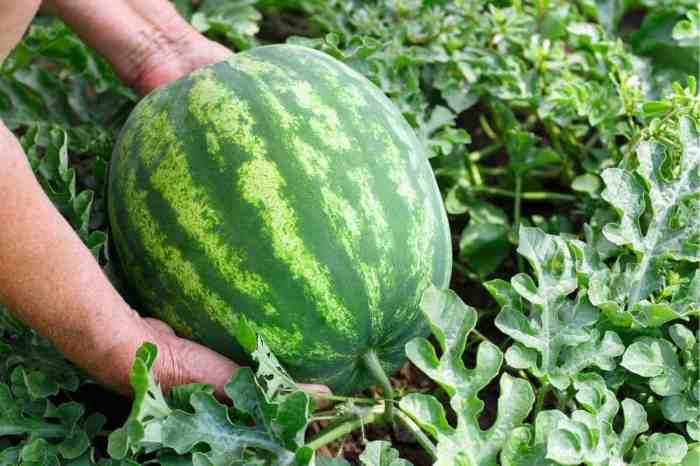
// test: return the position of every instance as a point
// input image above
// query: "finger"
(324, 451)
(192, 362)
(14, 20)
(319, 393)
(316, 388)
(159, 326)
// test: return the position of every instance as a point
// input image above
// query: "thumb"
(184, 361)
(159, 326)
(16, 17)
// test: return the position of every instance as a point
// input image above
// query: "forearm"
(143, 40)
(50, 280)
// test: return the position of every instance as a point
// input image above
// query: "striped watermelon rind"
(280, 193)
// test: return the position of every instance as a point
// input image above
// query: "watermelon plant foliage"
(564, 139)
(451, 322)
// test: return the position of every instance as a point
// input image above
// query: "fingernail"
(316, 388)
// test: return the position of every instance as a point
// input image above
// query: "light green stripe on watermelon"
(252, 67)
(261, 184)
(169, 257)
(316, 164)
(192, 207)
(374, 212)
(371, 205)
(424, 178)
(350, 97)
(398, 174)
(345, 222)
(322, 118)
(210, 102)
(421, 237)
(340, 212)
(344, 218)
(172, 179)
(398, 124)
(204, 103)
(184, 272)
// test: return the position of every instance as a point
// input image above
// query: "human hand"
(14, 19)
(181, 361)
(156, 63)
(148, 43)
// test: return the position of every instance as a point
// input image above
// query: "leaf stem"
(333, 433)
(482, 337)
(486, 126)
(517, 211)
(477, 179)
(329, 417)
(36, 428)
(528, 196)
(321, 396)
(478, 155)
(494, 171)
(541, 395)
(466, 271)
(417, 432)
(524, 375)
(375, 368)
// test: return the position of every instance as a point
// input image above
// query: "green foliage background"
(564, 136)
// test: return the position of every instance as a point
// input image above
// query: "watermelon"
(279, 193)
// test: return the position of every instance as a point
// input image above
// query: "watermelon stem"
(375, 368)
(343, 428)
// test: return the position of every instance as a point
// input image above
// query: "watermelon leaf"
(286, 419)
(376, 453)
(235, 21)
(380, 453)
(484, 243)
(657, 280)
(661, 449)
(272, 377)
(672, 372)
(589, 435)
(149, 409)
(35, 381)
(555, 335)
(193, 417)
(687, 31)
(527, 446)
(211, 425)
(451, 322)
